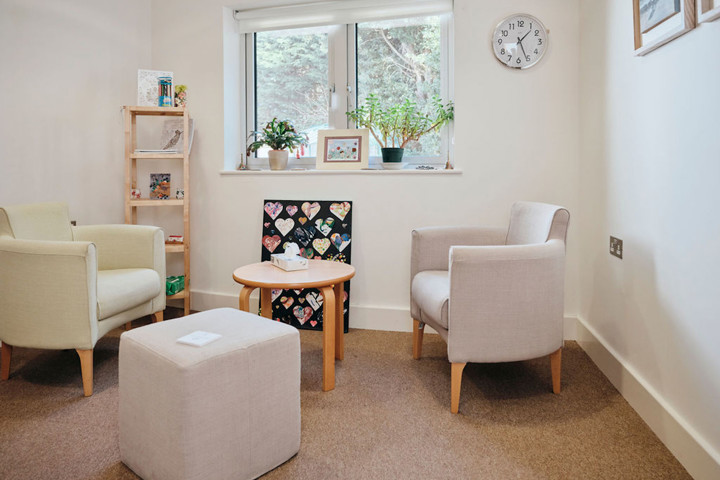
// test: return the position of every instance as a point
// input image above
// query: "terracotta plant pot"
(278, 159)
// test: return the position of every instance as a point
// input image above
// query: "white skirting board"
(391, 319)
(695, 454)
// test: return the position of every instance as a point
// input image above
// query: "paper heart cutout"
(340, 257)
(304, 235)
(340, 241)
(291, 209)
(302, 314)
(345, 296)
(321, 245)
(271, 243)
(284, 225)
(301, 300)
(273, 209)
(298, 292)
(287, 301)
(307, 252)
(313, 322)
(314, 299)
(302, 220)
(274, 293)
(310, 209)
(325, 226)
(340, 209)
(266, 224)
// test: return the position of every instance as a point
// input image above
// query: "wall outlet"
(616, 247)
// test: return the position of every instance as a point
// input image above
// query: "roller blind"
(335, 12)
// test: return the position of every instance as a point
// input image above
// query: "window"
(312, 76)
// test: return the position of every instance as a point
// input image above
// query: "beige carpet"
(388, 418)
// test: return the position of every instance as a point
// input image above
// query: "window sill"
(371, 171)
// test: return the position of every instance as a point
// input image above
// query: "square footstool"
(227, 410)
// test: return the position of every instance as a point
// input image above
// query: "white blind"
(335, 12)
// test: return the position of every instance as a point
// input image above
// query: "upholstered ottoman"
(229, 409)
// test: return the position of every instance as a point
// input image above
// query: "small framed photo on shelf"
(658, 22)
(708, 10)
(342, 149)
(159, 186)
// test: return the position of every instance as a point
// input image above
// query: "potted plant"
(280, 136)
(393, 127)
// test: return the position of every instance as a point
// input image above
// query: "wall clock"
(520, 41)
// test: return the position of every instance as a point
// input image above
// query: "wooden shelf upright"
(131, 205)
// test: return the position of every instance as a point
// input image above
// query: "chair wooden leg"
(128, 326)
(157, 316)
(86, 368)
(455, 381)
(555, 364)
(417, 338)
(5, 361)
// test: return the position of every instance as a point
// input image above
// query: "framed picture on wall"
(342, 149)
(658, 22)
(708, 10)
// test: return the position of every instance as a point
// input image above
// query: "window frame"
(342, 86)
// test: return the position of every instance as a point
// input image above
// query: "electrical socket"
(616, 247)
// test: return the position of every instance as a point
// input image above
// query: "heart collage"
(322, 230)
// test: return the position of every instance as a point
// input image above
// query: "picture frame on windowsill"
(342, 149)
(708, 10)
(658, 22)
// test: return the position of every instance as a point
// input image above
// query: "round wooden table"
(328, 277)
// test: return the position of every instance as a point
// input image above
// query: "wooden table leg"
(245, 298)
(266, 302)
(328, 338)
(339, 321)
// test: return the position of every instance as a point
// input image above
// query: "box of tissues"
(290, 260)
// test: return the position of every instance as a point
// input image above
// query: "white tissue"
(292, 250)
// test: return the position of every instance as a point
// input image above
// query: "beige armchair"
(65, 287)
(493, 294)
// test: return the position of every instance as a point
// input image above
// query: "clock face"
(519, 41)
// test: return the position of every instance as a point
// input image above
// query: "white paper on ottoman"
(226, 410)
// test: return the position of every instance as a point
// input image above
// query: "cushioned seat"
(122, 289)
(431, 291)
(226, 410)
(493, 294)
(64, 286)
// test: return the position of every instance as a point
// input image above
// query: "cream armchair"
(65, 287)
(493, 294)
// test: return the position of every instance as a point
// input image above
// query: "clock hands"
(528, 33)
(521, 46)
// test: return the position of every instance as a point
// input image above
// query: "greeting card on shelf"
(159, 186)
(148, 91)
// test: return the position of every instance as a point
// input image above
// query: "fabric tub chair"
(493, 294)
(64, 287)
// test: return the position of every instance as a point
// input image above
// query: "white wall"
(524, 124)
(649, 175)
(66, 68)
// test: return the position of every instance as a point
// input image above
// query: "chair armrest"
(431, 245)
(129, 246)
(48, 293)
(125, 246)
(506, 302)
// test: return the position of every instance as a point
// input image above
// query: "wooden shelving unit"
(131, 206)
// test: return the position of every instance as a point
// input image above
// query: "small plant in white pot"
(280, 136)
(395, 126)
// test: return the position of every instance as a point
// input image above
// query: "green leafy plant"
(396, 125)
(278, 135)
